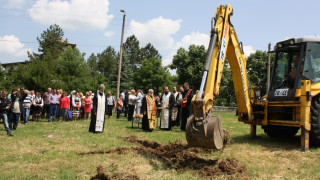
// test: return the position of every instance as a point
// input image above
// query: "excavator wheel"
(205, 134)
(280, 131)
(315, 121)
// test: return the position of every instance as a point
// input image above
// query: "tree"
(39, 75)
(106, 62)
(257, 69)
(73, 72)
(3, 78)
(189, 65)
(132, 49)
(92, 62)
(126, 74)
(50, 41)
(151, 74)
(149, 51)
(226, 93)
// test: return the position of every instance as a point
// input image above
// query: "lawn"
(43, 150)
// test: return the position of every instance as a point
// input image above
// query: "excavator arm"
(203, 128)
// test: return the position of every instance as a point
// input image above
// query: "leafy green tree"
(189, 65)
(39, 74)
(3, 78)
(226, 93)
(106, 62)
(126, 74)
(151, 74)
(93, 62)
(132, 59)
(73, 71)
(11, 79)
(97, 77)
(132, 49)
(257, 69)
(50, 41)
(149, 51)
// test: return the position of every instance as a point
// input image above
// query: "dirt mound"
(225, 166)
(176, 155)
(119, 150)
(134, 139)
(100, 174)
(180, 157)
(227, 138)
(117, 176)
(231, 166)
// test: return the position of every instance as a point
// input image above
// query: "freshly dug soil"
(119, 176)
(178, 156)
(175, 155)
(182, 157)
(100, 174)
(225, 166)
(119, 150)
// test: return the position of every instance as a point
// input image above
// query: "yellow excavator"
(292, 101)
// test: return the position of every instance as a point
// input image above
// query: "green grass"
(42, 150)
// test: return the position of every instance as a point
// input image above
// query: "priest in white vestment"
(167, 100)
(99, 109)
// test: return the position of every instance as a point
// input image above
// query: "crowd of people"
(172, 108)
(52, 105)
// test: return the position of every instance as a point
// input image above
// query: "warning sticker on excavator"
(223, 49)
(281, 92)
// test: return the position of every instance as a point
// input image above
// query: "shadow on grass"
(272, 144)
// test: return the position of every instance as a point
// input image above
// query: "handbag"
(70, 114)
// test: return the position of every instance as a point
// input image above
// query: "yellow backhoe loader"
(292, 101)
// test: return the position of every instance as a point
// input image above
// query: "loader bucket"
(206, 134)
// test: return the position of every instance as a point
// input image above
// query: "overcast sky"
(167, 24)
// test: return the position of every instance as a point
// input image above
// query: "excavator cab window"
(311, 65)
(285, 74)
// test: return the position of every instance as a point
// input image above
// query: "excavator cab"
(295, 60)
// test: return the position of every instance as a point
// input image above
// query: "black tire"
(315, 121)
(280, 131)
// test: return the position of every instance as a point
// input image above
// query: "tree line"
(60, 66)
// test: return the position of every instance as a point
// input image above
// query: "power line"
(64, 15)
(83, 45)
(18, 41)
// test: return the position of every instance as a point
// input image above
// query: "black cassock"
(172, 101)
(187, 110)
(94, 114)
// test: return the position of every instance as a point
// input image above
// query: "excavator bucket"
(206, 134)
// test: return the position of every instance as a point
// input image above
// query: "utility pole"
(120, 58)
(268, 67)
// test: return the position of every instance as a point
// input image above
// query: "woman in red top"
(87, 106)
(64, 105)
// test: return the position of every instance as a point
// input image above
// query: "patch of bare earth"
(101, 175)
(181, 157)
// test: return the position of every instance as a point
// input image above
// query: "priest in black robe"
(99, 110)
(167, 100)
(186, 105)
